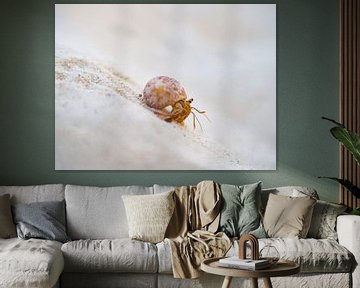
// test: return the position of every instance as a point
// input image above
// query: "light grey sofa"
(101, 254)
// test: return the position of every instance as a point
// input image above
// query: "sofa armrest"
(348, 230)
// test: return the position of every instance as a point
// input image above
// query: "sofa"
(101, 254)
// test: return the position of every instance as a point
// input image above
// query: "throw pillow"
(7, 227)
(240, 213)
(44, 220)
(293, 191)
(323, 222)
(288, 217)
(149, 215)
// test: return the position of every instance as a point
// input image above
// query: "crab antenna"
(201, 112)
(207, 117)
(197, 110)
(197, 120)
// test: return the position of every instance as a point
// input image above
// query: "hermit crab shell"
(163, 91)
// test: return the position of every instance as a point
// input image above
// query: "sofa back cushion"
(7, 226)
(98, 212)
(163, 188)
(36, 193)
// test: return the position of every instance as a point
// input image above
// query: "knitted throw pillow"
(149, 215)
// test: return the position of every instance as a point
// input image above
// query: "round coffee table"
(281, 268)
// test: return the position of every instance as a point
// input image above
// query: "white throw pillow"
(149, 215)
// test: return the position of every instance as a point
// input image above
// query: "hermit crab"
(167, 98)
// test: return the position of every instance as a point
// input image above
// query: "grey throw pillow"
(240, 213)
(323, 222)
(7, 226)
(44, 220)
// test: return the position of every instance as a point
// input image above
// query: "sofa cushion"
(43, 220)
(323, 222)
(117, 255)
(240, 210)
(36, 193)
(7, 226)
(98, 213)
(313, 255)
(149, 215)
(164, 257)
(163, 188)
(30, 263)
(287, 216)
(291, 191)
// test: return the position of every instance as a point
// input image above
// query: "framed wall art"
(165, 87)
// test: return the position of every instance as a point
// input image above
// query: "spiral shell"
(163, 91)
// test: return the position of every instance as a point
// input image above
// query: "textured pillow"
(323, 222)
(149, 215)
(7, 227)
(240, 210)
(288, 217)
(44, 220)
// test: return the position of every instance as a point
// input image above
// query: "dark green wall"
(307, 88)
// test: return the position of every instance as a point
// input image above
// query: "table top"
(281, 268)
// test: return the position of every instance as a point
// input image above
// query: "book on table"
(249, 264)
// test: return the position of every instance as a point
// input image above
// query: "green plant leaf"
(348, 138)
(333, 121)
(355, 211)
(347, 184)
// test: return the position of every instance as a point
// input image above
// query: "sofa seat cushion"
(313, 255)
(30, 263)
(115, 255)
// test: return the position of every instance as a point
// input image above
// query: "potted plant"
(351, 141)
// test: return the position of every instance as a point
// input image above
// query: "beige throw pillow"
(149, 215)
(288, 217)
(7, 226)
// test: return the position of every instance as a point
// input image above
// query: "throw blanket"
(191, 231)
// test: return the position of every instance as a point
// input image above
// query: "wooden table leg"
(254, 282)
(267, 283)
(227, 282)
